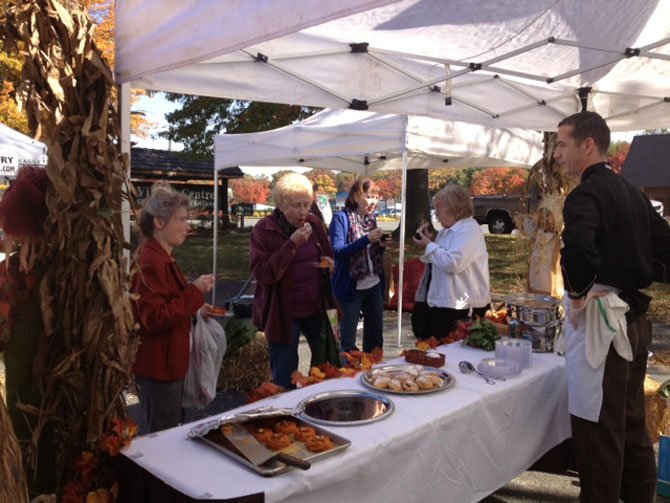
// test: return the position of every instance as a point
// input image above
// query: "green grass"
(508, 262)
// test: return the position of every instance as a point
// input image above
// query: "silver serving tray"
(210, 434)
(447, 377)
(346, 407)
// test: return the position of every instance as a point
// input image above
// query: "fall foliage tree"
(325, 180)
(344, 181)
(499, 181)
(438, 178)
(101, 12)
(250, 189)
(389, 184)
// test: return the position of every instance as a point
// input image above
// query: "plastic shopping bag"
(208, 348)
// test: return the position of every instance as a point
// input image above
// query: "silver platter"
(345, 407)
(447, 377)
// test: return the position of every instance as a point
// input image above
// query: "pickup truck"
(498, 211)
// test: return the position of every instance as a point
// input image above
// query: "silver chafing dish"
(534, 317)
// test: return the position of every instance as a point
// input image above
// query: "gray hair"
(162, 203)
(289, 185)
(456, 199)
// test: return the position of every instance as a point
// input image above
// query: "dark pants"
(160, 402)
(443, 320)
(614, 456)
(371, 303)
(284, 355)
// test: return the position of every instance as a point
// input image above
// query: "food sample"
(319, 443)
(262, 434)
(408, 379)
(286, 426)
(304, 433)
(218, 311)
(226, 428)
(278, 441)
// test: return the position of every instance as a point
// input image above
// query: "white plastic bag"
(207, 350)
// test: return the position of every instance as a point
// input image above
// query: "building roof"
(648, 162)
(152, 164)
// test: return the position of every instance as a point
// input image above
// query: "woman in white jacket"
(455, 283)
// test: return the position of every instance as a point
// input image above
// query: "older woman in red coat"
(285, 251)
(165, 306)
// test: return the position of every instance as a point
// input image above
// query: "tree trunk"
(417, 206)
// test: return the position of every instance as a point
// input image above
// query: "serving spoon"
(467, 368)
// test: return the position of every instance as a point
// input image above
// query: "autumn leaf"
(348, 372)
(329, 370)
(422, 345)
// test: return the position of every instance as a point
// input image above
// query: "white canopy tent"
(363, 142)
(17, 149)
(512, 63)
(503, 63)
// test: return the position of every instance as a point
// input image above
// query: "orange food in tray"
(278, 441)
(319, 443)
(304, 433)
(286, 426)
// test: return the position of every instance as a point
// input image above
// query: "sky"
(157, 106)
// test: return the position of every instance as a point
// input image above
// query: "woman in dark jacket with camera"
(358, 282)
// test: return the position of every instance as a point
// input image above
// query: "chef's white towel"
(605, 325)
(585, 382)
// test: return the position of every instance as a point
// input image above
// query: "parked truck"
(498, 211)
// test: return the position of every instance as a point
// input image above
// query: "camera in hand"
(386, 237)
(418, 235)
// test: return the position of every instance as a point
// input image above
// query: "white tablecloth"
(457, 445)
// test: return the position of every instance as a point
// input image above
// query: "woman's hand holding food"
(302, 234)
(205, 282)
(375, 235)
(422, 236)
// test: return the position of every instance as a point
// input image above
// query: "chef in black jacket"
(613, 241)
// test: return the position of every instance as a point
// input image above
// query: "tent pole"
(215, 229)
(124, 119)
(401, 250)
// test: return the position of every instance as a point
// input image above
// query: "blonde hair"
(457, 200)
(162, 203)
(291, 184)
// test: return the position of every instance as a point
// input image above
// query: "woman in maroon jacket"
(165, 306)
(286, 250)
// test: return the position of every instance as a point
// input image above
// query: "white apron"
(589, 332)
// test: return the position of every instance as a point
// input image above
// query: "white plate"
(396, 370)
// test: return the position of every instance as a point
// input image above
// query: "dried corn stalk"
(544, 227)
(12, 478)
(84, 362)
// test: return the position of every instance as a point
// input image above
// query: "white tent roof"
(363, 142)
(17, 149)
(507, 63)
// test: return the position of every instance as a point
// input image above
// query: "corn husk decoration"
(12, 477)
(543, 228)
(84, 362)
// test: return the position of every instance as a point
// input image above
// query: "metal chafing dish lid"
(345, 407)
(531, 300)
